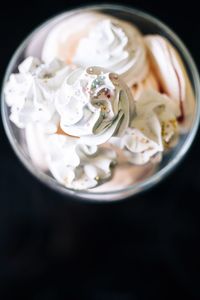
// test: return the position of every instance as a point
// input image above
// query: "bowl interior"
(147, 25)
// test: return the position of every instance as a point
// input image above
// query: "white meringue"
(94, 105)
(152, 129)
(76, 165)
(63, 38)
(100, 40)
(31, 93)
(116, 46)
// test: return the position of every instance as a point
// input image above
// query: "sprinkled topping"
(92, 107)
(100, 80)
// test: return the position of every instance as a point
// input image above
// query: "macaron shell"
(162, 61)
(188, 103)
(172, 76)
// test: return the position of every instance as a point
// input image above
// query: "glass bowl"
(148, 25)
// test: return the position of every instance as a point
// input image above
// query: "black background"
(53, 247)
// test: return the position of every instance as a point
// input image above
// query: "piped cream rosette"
(30, 94)
(94, 105)
(101, 40)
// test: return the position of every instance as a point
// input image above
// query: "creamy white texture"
(63, 37)
(97, 39)
(117, 46)
(76, 165)
(153, 127)
(94, 105)
(31, 93)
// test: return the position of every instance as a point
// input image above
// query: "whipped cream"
(94, 105)
(116, 46)
(31, 93)
(76, 165)
(63, 38)
(89, 39)
(73, 164)
(91, 104)
(153, 128)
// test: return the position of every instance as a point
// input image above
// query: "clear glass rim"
(153, 179)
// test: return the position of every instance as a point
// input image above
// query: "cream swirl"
(116, 46)
(31, 93)
(153, 129)
(94, 105)
(91, 38)
(76, 165)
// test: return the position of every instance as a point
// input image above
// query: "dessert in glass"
(101, 102)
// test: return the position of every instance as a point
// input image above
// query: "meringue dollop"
(76, 165)
(94, 39)
(153, 128)
(31, 93)
(114, 45)
(94, 105)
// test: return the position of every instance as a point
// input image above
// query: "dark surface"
(52, 247)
